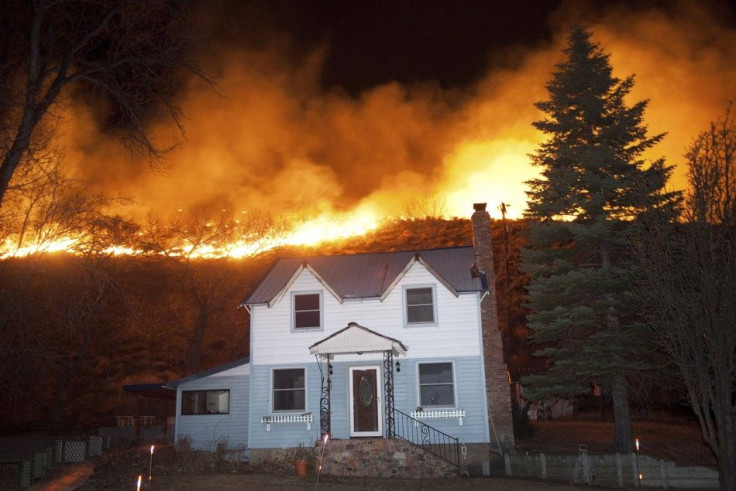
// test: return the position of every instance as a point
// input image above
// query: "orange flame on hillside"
(273, 139)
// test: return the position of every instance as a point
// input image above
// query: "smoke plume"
(271, 137)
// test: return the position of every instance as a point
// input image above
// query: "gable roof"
(357, 339)
(371, 275)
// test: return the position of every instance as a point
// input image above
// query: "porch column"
(138, 418)
(324, 402)
(388, 375)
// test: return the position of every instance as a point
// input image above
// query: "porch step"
(380, 457)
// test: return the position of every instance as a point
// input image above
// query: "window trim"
(293, 311)
(272, 389)
(181, 404)
(405, 294)
(454, 405)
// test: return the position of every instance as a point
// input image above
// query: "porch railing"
(426, 437)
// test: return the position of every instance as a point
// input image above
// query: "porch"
(410, 447)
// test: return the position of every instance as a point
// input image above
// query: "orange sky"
(272, 138)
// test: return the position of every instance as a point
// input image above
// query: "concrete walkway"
(67, 478)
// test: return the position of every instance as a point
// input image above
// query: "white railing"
(287, 418)
(130, 420)
(440, 414)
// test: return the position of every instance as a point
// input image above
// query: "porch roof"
(357, 339)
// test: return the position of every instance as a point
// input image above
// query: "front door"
(365, 403)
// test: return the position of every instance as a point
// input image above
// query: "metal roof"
(157, 390)
(211, 371)
(369, 275)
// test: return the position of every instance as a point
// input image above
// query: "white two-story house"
(362, 346)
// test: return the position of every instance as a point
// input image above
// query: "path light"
(638, 464)
(139, 483)
(319, 469)
(150, 465)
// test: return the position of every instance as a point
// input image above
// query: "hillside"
(75, 329)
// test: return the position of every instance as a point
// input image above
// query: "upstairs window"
(307, 311)
(205, 402)
(436, 385)
(420, 305)
(289, 390)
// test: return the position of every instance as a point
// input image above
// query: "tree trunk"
(727, 455)
(622, 438)
(195, 345)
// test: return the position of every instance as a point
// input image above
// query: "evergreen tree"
(594, 184)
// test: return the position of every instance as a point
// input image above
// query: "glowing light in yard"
(638, 463)
(139, 483)
(322, 456)
(150, 465)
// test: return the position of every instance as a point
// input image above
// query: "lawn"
(678, 441)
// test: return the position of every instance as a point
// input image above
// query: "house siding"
(282, 435)
(469, 396)
(205, 430)
(456, 329)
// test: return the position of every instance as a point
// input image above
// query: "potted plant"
(302, 458)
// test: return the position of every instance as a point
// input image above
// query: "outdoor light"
(398, 366)
(150, 466)
(638, 463)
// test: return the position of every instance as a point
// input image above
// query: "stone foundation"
(380, 457)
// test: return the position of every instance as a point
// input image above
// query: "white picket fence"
(612, 471)
(63, 452)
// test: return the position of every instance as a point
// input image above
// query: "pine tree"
(594, 184)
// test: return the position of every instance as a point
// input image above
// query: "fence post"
(59, 452)
(25, 474)
(619, 471)
(634, 468)
(663, 470)
(543, 465)
(507, 463)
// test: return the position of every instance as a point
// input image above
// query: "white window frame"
(454, 385)
(405, 294)
(272, 389)
(293, 311)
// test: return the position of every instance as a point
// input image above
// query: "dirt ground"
(264, 482)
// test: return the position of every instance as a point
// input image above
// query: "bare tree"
(418, 207)
(206, 290)
(47, 207)
(712, 173)
(52, 311)
(123, 57)
(689, 274)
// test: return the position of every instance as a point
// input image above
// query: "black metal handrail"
(428, 438)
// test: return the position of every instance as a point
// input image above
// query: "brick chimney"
(497, 385)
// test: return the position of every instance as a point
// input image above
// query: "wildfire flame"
(321, 229)
(279, 141)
